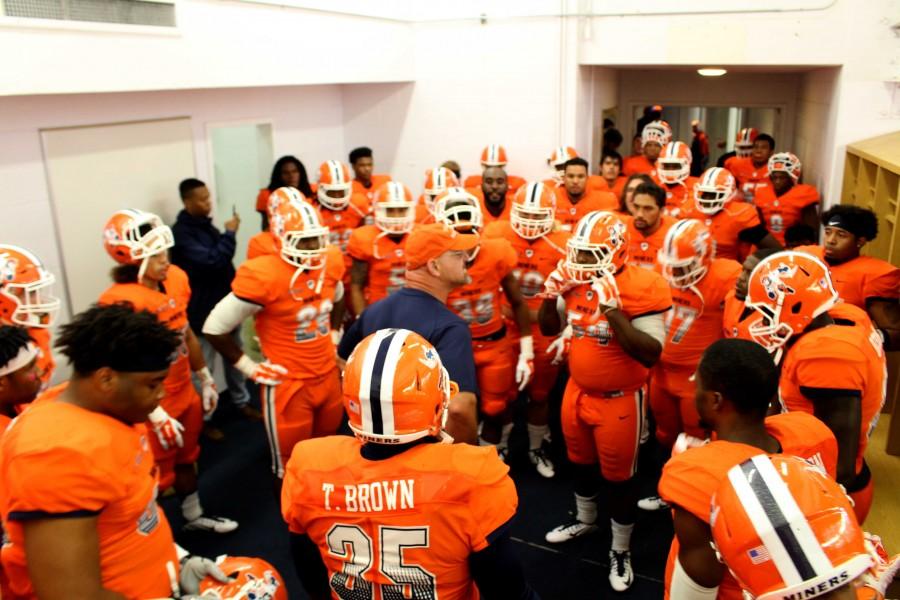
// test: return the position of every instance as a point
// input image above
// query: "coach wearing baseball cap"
(436, 258)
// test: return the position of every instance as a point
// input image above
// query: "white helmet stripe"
(365, 380)
(387, 380)
(586, 225)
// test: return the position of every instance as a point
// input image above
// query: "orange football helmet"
(533, 211)
(25, 289)
(656, 131)
(300, 235)
(788, 289)
(561, 155)
(437, 180)
(599, 236)
(493, 155)
(254, 579)
(686, 253)
(396, 390)
(282, 196)
(334, 178)
(786, 163)
(459, 209)
(714, 188)
(743, 144)
(786, 530)
(674, 163)
(394, 208)
(132, 235)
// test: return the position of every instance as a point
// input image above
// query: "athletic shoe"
(569, 531)
(541, 462)
(652, 503)
(620, 574)
(214, 524)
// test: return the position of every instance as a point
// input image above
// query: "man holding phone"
(205, 254)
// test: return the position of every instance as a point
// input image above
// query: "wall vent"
(121, 12)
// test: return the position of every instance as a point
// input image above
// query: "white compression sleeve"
(339, 291)
(685, 588)
(228, 314)
(652, 325)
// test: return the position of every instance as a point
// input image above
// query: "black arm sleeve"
(498, 574)
(753, 235)
(309, 566)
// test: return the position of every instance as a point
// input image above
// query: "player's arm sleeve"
(249, 286)
(884, 286)
(56, 484)
(228, 314)
(498, 573)
(311, 570)
(455, 349)
(653, 325)
(352, 337)
(357, 246)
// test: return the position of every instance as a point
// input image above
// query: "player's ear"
(716, 400)
(105, 379)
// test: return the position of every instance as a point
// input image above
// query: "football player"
(735, 317)
(79, 481)
(20, 375)
(743, 146)
(145, 280)
(736, 381)
(833, 370)
(296, 300)
(500, 370)
(673, 170)
(699, 282)
(786, 202)
(394, 509)
(493, 155)
(26, 299)
(751, 171)
(610, 178)
(647, 226)
(539, 247)
(340, 209)
(654, 136)
(626, 199)
(573, 200)
(869, 283)
(618, 328)
(734, 224)
(557, 161)
(823, 552)
(437, 180)
(265, 242)
(494, 195)
(365, 181)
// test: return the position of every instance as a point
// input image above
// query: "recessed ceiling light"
(712, 72)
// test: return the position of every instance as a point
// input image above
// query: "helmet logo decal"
(8, 266)
(773, 284)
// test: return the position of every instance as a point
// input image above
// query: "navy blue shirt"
(424, 314)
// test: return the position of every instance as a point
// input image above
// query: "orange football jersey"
(369, 192)
(294, 325)
(694, 322)
(782, 212)
(486, 215)
(747, 176)
(45, 362)
(861, 278)
(691, 478)
(478, 303)
(262, 200)
(535, 258)
(638, 164)
(569, 214)
(261, 244)
(732, 325)
(59, 459)
(386, 259)
(169, 304)
(725, 226)
(412, 519)
(643, 251)
(597, 362)
(679, 193)
(341, 223)
(837, 357)
(423, 217)
(514, 182)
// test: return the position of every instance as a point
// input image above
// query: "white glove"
(336, 335)
(208, 390)
(265, 373)
(525, 367)
(195, 569)
(560, 346)
(884, 567)
(607, 293)
(558, 282)
(167, 429)
(685, 442)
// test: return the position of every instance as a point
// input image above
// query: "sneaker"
(652, 503)
(214, 524)
(541, 462)
(569, 531)
(620, 574)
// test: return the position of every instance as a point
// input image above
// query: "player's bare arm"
(549, 319)
(639, 345)
(842, 413)
(359, 277)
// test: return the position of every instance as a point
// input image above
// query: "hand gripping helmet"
(254, 579)
(599, 245)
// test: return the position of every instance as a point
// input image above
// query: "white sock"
(190, 507)
(484, 442)
(621, 536)
(536, 435)
(504, 435)
(586, 509)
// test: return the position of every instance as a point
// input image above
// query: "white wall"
(817, 109)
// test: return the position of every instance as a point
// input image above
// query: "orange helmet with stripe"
(714, 188)
(396, 390)
(561, 155)
(437, 180)
(300, 235)
(132, 236)
(786, 530)
(743, 143)
(252, 579)
(785, 162)
(599, 245)
(459, 209)
(335, 185)
(674, 163)
(394, 208)
(687, 251)
(493, 155)
(25, 289)
(282, 196)
(656, 131)
(533, 211)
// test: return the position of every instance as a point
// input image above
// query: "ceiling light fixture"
(712, 72)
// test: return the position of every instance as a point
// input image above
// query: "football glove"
(607, 293)
(558, 282)
(525, 366)
(208, 391)
(167, 429)
(265, 373)
(560, 346)
(193, 570)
